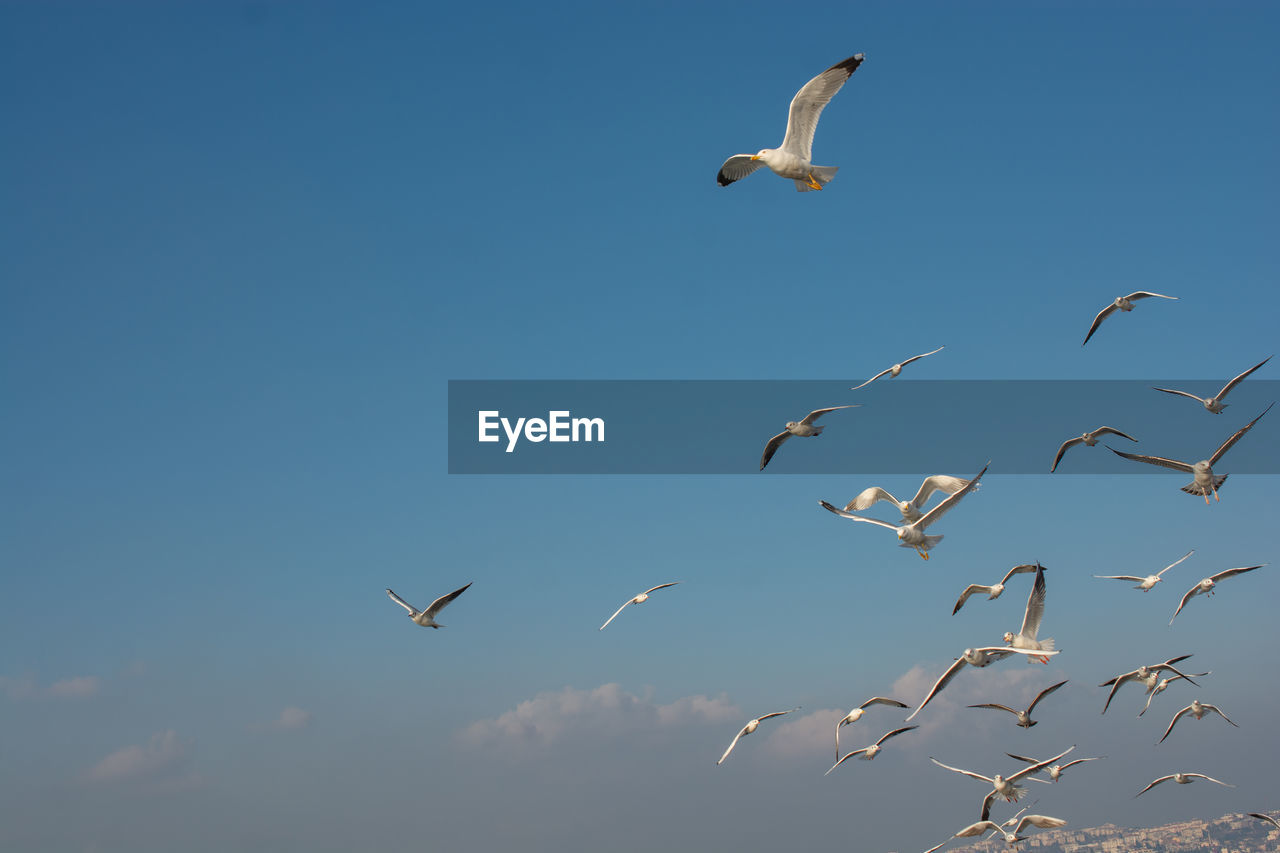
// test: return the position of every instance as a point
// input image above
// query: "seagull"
(1024, 717)
(804, 427)
(1122, 303)
(748, 729)
(1205, 481)
(1143, 673)
(1010, 837)
(856, 714)
(912, 535)
(1055, 771)
(427, 618)
(910, 509)
(1004, 786)
(867, 753)
(1208, 585)
(979, 657)
(1026, 636)
(1181, 779)
(639, 599)
(895, 370)
(993, 592)
(1088, 439)
(1214, 404)
(1155, 691)
(1198, 709)
(1268, 818)
(793, 159)
(1149, 581)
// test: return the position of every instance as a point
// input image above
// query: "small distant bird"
(1204, 480)
(803, 427)
(1268, 818)
(1149, 581)
(793, 159)
(427, 618)
(1010, 837)
(1122, 303)
(1088, 439)
(1163, 685)
(639, 599)
(1024, 717)
(993, 592)
(1004, 786)
(896, 369)
(1026, 636)
(1144, 673)
(1181, 779)
(867, 753)
(1055, 771)
(980, 657)
(748, 729)
(1208, 586)
(912, 535)
(911, 510)
(856, 714)
(1197, 709)
(1214, 404)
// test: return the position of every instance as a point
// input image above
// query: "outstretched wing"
(1268, 818)
(880, 700)
(1190, 594)
(921, 355)
(1069, 443)
(1174, 722)
(1146, 294)
(807, 106)
(1179, 393)
(1171, 565)
(868, 497)
(937, 483)
(1112, 431)
(1153, 460)
(1239, 434)
(846, 514)
(943, 508)
(978, 828)
(443, 601)
(1039, 765)
(995, 706)
(1097, 321)
(1035, 607)
(1120, 578)
(845, 758)
(736, 168)
(406, 605)
(813, 416)
(1025, 568)
(968, 591)
(1209, 779)
(616, 612)
(1234, 382)
(1218, 711)
(1229, 573)
(742, 731)
(872, 379)
(897, 732)
(772, 447)
(1153, 784)
(776, 714)
(1042, 694)
(977, 776)
(1039, 820)
(938, 685)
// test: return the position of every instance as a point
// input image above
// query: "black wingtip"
(723, 180)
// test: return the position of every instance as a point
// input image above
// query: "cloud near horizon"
(162, 759)
(604, 711)
(76, 687)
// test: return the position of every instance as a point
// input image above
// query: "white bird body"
(794, 157)
(639, 599)
(912, 535)
(1197, 709)
(1214, 404)
(750, 728)
(1146, 583)
(1026, 636)
(427, 618)
(1209, 585)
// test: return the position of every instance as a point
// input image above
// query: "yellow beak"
(755, 156)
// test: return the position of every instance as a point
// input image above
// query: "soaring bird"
(1204, 480)
(1122, 303)
(1004, 786)
(867, 753)
(993, 592)
(1145, 673)
(1208, 586)
(793, 158)
(1163, 685)
(911, 510)
(1055, 771)
(803, 427)
(1268, 818)
(1214, 404)
(1088, 439)
(427, 618)
(1181, 779)
(748, 729)
(856, 714)
(1149, 581)
(896, 369)
(639, 599)
(1197, 709)
(1013, 836)
(912, 535)
(1024, 717)
(1026, 636)
(979, 657)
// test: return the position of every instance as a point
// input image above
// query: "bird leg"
(924, 555)
(812, 182)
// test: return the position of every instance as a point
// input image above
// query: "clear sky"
(246, 245)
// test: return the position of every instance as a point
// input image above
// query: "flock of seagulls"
(793, 160)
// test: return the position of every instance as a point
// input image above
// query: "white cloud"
(607, 710)
(292, 718)
(1004, 681)
(163, 758)
(805, 736)
(76, 687)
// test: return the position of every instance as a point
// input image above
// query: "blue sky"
(247, 246)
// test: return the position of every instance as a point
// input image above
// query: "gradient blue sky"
(247, 244)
